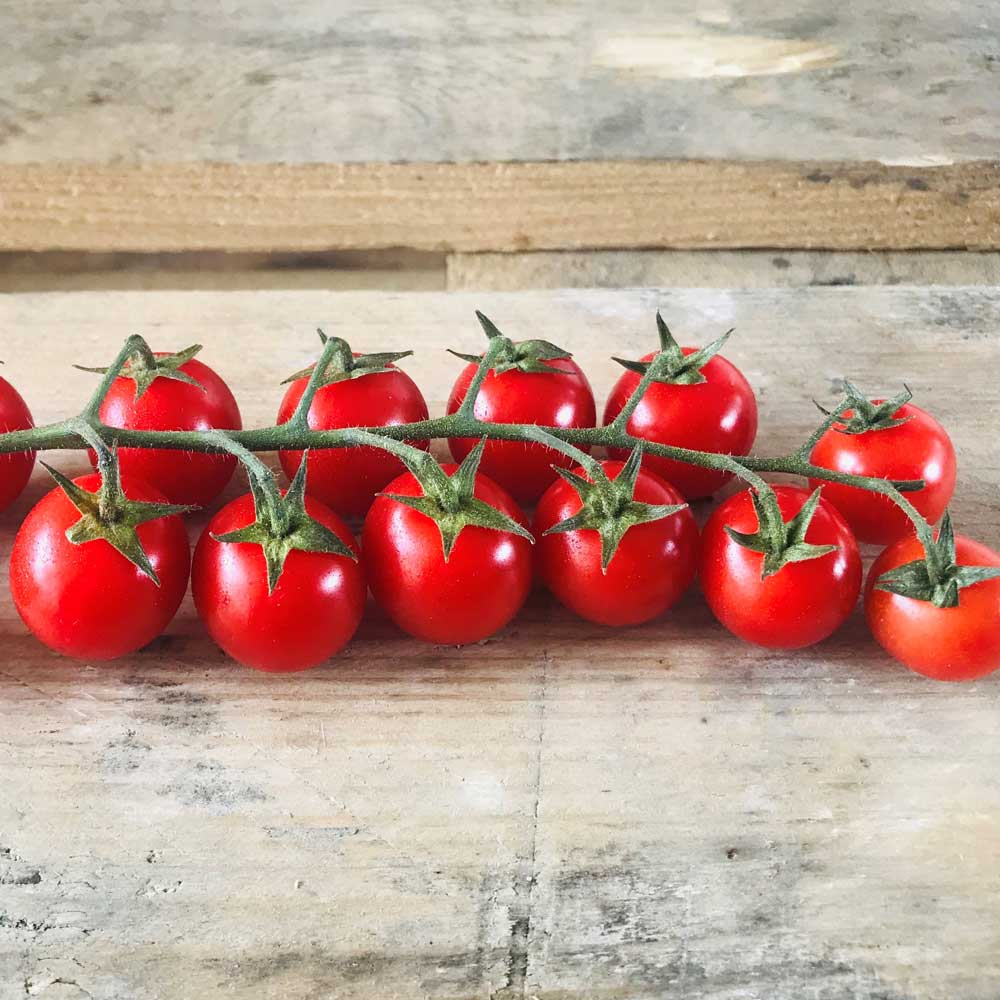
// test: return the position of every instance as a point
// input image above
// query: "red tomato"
(312, 613)
(88, 601)
(948, 644)
(803, 602)
(653, 565)
(347, 479)
(15, 467)
(918, 449)
(170, 405)
(472, 595)
(525, 470)
(719, 414)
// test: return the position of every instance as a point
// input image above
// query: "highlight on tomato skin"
(946, 644)
(313, 611)
(15, 466)
(799, 605)
(915, 448)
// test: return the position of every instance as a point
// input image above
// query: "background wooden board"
(489, 206)
(318, 81)
(706, 269)
(563, 812)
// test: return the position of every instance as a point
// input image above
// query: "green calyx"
(144, 367)
(779, 541)
(523, 355)
(866, 415)
(937, 577)
(671, 365)
(109, 515)
(449, 501)
(282, 525)
(341, 364)
(608, 506)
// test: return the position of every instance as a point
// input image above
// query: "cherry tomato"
(948, 644)
(474, 594)
(799, 605)
(312, 613)
(347, 479)
(918, 449)
(15, 467)
(88, 601)
(515, 396)
(719, 414)
(170, 405)
(653, 565)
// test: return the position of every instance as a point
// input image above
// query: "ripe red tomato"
(653, 565)
(918, 449)
(88, 601)
(312, 613)
(719, 414)
(515, 396)
(15, 467)
(803, 602)
(347, 479)
(472, 595)
(948, 644)
(169, 405)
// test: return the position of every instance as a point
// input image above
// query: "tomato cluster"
(100, 565)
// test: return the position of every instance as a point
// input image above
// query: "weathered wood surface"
(716, 269)
(315, 81)
(513, 206)
(564, 812)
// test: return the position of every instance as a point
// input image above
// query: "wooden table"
(560, 812)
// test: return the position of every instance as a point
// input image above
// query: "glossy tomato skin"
(947, 644)
(15, 467)
(347, 479)
(801, 604)
(719, 414)
(918, 449)
(652, 567)
(312, 613)
(476, 593)
(88, 601)
(564, 400)
(169, 405)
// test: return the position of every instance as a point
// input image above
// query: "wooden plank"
(386, 80)
(717, 269)
(565, 812)
(516, 206)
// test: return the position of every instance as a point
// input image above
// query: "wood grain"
(564, 812)
(357, 80)
(515, 206)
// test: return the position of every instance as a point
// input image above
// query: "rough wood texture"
(716, 269)
(564, 813)
(525, 206)
(314, 81)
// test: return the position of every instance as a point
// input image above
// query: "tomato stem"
(87, 429)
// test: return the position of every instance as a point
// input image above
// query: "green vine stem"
(78, 432)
